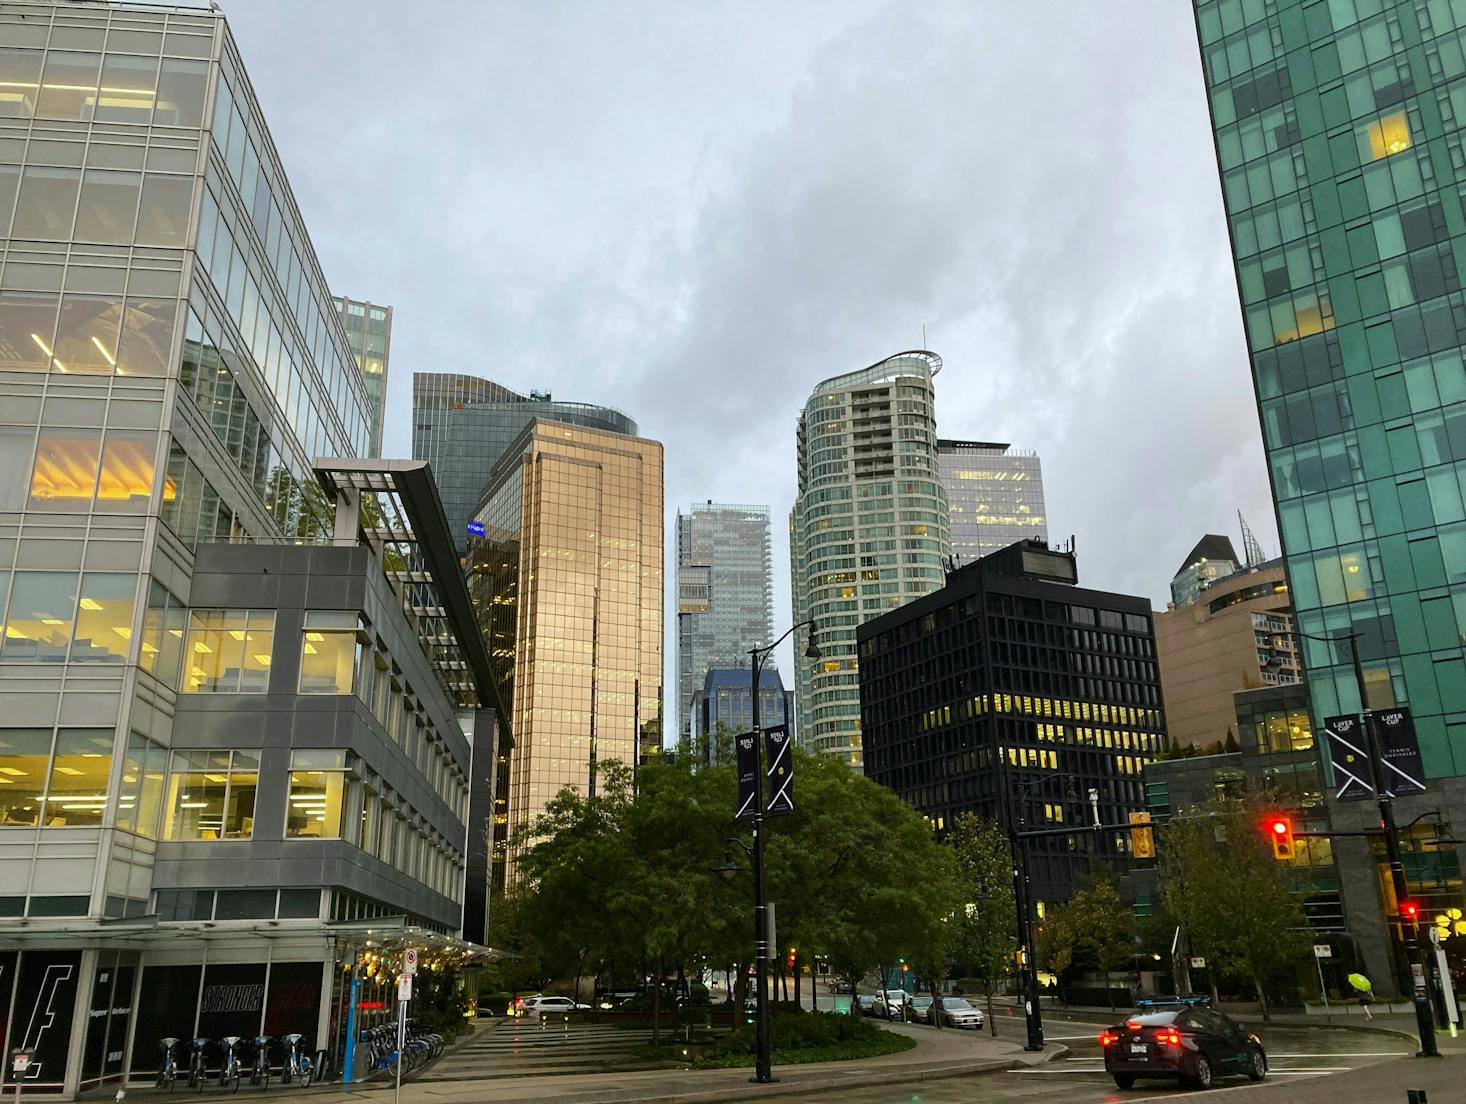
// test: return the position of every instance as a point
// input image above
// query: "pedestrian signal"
(1280, 831)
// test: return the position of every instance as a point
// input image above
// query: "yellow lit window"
(317, 788)
(1385, 137)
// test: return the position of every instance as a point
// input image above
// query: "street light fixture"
(763, 1072)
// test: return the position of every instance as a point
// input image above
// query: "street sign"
(746, 751)
(1322, 950)
(404, 987)
(20, 1061)
(1198, 962)
(409, 961)
(780, 771)
(1349, 753)
(1403, 772)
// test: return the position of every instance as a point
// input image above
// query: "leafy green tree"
(1095, 928)
(985, 941)
(1219, 879)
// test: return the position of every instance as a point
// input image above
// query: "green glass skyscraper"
(1338, 129)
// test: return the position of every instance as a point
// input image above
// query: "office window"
(228, 651)
(20, 83)
(81, 770)
(86, 336)
(69, 86)
(211, 795)
(125, 484)
(140, 797)
(64, 476)
(167, 202)
(29, 317)
(47, 204)
(24, 755)
(108, 207)
(331, 648)
(129, 85)
(163, 627)
(104, 619)
(42, 610)
(181, 93)
(316, 799)
(147, 337)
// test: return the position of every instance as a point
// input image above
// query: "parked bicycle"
(297, 1067)
(259, 1073)
(167, 1066)
(229, 1068)
(197, 1064)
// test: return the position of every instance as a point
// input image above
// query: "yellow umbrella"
(1360, 982)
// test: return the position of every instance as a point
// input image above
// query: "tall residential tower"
(869, 530)
(725, 603)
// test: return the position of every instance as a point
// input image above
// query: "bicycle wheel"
(305, 1073)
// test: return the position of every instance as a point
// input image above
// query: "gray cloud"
(696, 212)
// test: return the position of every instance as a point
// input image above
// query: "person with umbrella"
(1361, 985)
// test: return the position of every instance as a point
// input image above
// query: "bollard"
(566, 1018)
(1415, 1096)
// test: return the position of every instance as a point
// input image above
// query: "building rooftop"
(738, 678)
(1213, 546)
(883, 371)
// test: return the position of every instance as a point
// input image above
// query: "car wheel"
(1257, 1069)
(1125, 1080)
(1202, 1078)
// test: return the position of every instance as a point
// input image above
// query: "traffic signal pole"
(1410, 959)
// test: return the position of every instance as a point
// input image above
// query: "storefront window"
(211, 795)
(317, 795)
(228, 651)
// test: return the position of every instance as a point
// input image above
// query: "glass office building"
(1338, 131)
(722, 707)
(462, 424)
(725, 600)
(369, 333)
(177, 652)
(869, 529)
(565, 570)
(995, 495)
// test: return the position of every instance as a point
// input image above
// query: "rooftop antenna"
(1251, 549)
(923, 335)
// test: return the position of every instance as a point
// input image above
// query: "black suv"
(1184, 1042)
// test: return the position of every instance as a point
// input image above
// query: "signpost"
(20, 1063)
(1322, 951)
(404, 998)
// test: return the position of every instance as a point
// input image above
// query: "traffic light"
(1280, 831)
(1410, 911)
(905, 966)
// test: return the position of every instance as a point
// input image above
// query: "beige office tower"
(565, 567)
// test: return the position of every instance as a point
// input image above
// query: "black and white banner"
(780, 771)
(746, 749)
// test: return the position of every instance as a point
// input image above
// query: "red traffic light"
(1280, 832)
(1410, 910)
(1280, 827)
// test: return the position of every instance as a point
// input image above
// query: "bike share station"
(101, 1017)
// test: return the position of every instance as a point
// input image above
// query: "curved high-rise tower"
(869, 530)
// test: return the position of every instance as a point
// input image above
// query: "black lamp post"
(1409, 929)
(763, 1072)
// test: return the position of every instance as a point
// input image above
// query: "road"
(1302, 1060)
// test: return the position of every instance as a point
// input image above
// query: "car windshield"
(955, 1004)
(923, 1001)
(895, 994)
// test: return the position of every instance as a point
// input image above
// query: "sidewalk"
(937, 1054)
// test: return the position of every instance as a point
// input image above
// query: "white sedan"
(959, 1012)
(540, 1006)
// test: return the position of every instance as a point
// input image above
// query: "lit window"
(20, 83)
(81, 771)
(315, 802)
(163, 626)
(211, 795)
(65, 473)
(24, 755)
(140, 798)
(228, 652)
(1384, 137)
(330, 653)
(126, 480)
(104, 619)
(42, 609)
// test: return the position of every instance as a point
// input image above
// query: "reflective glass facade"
(567, 582)
(869, 530)
(369, 333)
(1338, 136)
(995, 494)
(461, 425)
(725, 600)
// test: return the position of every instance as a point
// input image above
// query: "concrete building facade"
(1234, 636)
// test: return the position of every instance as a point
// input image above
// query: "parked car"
(866, 1004)
(1181, 1043)
(892, 999)
(842, 985)
(919, 1008)
(960, 1012)
(539, 1006)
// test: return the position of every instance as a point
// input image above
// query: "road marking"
(1354, 1054)
(1309, 1069)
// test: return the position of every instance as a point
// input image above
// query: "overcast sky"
(696, 211)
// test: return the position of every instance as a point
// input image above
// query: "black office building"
(1013, 680)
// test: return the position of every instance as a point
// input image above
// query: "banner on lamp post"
(780, 771)
(745, 748)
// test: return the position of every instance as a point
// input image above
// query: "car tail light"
(1168, 1037)
(1108, 1038)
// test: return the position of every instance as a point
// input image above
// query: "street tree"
(985, 941)
(1093, 928)
(1219, 879)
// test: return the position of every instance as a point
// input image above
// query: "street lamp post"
(1409, 929)
(763, 1071)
